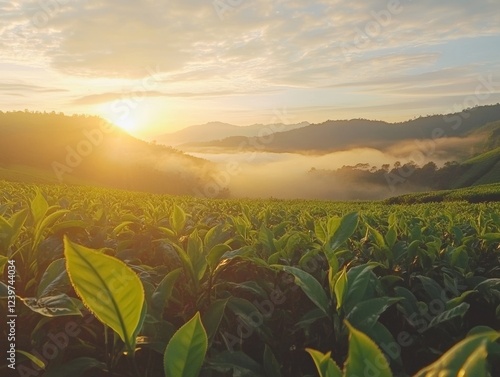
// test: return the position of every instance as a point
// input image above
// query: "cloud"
(21, 87)
(327, 53)
(100, 38)
(140, 93)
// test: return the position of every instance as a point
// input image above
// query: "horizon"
(155, 68)
(404, 120)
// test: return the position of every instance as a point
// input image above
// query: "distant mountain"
(50, 147)
(366, 181)
(339, 135)
(218, 130)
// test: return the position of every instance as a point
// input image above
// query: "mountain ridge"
(216, 130)
(336, 135)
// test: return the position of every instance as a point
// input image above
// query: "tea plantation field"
(99, 282)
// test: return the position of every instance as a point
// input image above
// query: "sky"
(154, 67)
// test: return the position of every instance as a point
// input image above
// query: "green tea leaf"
(53, 306)
(379, 239)
(366, 313)
(75, 367)
(340, 289)
(391, 237)
(345, 229)
(187, 264)
(186, 350)
(39, 207)
(271, 365)
(457, 311)
(324, 364)
(196, 255)
(237, 362)
(358, 284)
(476, 364)
(266, 238)
(491, 237)
(11, 229)
(108, 287)
(310, 286)
(364, 358)
(213, 317)
(456, 358)
(54, 276)
(39, 363)
(163, 291)
(45, 224)
(178, 219)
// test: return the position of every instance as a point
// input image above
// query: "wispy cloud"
(21, 87)
(328, 47)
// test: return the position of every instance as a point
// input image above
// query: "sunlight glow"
(129, 121)
(127, 124)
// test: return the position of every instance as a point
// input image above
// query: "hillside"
(43, 147)
(218, 130)
(479, 170)
(346, 134)
(475, 194)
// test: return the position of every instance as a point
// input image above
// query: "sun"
(126, 123)
(133, 120)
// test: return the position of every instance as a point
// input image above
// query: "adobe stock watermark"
(93, 138)
(366, 35)
(221, 180)
(11, 314)
(421, 321)
(248, 323)
(41, 16)
(424, 149)
(57, 342)
(47, 10)
(50, 350)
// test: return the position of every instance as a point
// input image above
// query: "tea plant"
(116, 283)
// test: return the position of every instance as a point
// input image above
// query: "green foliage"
(310, 286)
(245, 287)
(467, 358)
(475, 194)
(364, 358)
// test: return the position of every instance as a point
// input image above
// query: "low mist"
(289, 175)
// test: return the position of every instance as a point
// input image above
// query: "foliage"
(213, 288)
(474, 194)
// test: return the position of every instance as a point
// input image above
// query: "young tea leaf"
(345, 229)
(178, 219)
(108, 287)
(186, 350)
(365, 358)
(324, 364)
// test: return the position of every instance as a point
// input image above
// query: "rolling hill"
(474, 194)
(50, 147)
(347, 134)
(480, 170)
(218, 130)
